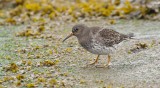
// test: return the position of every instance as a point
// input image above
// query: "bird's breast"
(96, 47)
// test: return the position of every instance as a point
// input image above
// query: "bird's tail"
(130, 35)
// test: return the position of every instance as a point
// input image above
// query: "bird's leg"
(95, 61)
(106, 65)
(109, 59)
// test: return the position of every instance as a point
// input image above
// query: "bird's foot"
(92, 63)
(88, 65)
(97, 66)
(102, 66)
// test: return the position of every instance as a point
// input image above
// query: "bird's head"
(77, 30)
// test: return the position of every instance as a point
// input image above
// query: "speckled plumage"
(97, 40)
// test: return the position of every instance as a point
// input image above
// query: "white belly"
(97, 48)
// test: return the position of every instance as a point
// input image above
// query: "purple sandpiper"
(97, 40)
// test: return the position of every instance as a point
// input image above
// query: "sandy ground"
(136, 70)
(139, 69)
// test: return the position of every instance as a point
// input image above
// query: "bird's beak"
(68, 37)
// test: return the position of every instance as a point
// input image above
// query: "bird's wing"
(110, 37)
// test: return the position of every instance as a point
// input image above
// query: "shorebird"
(97, 40)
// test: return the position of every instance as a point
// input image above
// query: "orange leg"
(95, 61)
(109, 59)
(108, 62)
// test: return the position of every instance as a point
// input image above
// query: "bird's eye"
(75, 29)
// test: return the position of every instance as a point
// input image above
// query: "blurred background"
(22, 11)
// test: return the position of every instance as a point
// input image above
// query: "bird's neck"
(84, 36)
